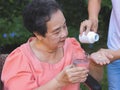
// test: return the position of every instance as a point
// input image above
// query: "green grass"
(104, 81)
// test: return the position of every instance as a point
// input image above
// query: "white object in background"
(91, 37)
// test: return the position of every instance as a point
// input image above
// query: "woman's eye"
(64, 26)
(57, 33)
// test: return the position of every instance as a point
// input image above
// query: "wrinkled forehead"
(57, 20)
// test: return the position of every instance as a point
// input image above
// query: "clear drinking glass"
(82, 62)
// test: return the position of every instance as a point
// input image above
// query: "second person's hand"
(88, 25)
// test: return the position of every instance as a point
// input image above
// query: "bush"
(12, 34)
(75, 11)
(11, 8)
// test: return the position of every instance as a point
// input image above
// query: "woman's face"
(56, 31)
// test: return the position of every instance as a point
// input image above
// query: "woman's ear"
(40, 37)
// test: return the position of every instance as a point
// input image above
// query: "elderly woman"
(45, 61)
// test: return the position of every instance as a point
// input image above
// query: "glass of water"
(82, 62)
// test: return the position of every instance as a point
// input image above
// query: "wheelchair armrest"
(92, 83)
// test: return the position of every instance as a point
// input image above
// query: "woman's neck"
(45, 54)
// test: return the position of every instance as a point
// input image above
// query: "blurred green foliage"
(75, 11)
(11, 8)
(12, 32)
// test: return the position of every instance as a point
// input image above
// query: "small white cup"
(91, 37)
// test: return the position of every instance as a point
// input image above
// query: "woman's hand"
(72, 74)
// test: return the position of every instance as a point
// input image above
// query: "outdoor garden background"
(13, 33)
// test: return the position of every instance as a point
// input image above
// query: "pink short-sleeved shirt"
(23, 71)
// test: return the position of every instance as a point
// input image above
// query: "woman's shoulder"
(17, 55)
(73, 44)
(72, 41)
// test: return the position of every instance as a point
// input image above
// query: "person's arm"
(93, 11)
(105, 56)
(115, 53)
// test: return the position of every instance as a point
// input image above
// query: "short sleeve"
(78, 51)
(17, 74)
